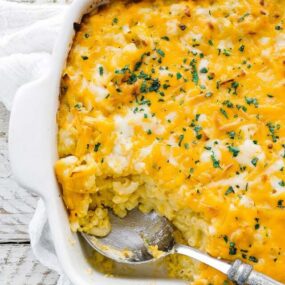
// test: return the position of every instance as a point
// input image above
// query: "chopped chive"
(280, 204)
(223, 112)
(203, 70)
(232, 248)
(195, 77)
(166, 38)
(216, 163)
(229, 191)
(97, 146)
(160, 52)
(181, 138)
(101, 70)
(233, 150)
(178, 75)
(253, 259)
(115, 21)
(241, 48)
(254, 161)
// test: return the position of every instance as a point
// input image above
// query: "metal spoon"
(132, 237)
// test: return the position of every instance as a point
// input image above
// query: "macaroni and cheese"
(179, 107)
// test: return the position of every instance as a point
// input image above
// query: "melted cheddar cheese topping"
(179, 107)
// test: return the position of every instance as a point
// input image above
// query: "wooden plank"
(19, 267)
(16, 204)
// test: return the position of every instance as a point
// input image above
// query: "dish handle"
(31, 132)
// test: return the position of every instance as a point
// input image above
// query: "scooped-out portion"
(178, 107)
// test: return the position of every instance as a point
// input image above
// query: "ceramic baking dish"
(33, 152)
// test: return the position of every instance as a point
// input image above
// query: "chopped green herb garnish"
(155, 85)
(232, 135)
(229, 190)
(101, 70)
(226, 52)
(137, 65)
(253, 259)
(186, 146)
(254, 161)
(251, 101)
(241, 19)
(124, 70)
(223, 112)
(97, 146)
(195, 77)
(235, 86)
(233, 150)
(203, 70)
(181, 138)
(178, 75)
(166, 38)
(132, 79)
(78, 106)
(216, 163)
(115, 21)
(228, 103)
(241, 107)
(280, 204)
(232, 248)
(241, 48)
(143, 87)
(273, 128)
(211, 76)
(160, 52)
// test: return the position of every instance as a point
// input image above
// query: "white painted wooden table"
(18, 266)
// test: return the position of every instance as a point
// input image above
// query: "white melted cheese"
(247, 151)
(276, 166)
(99, 92)
(215, 149)
(246, 202)
(172, 27)
(276, 184)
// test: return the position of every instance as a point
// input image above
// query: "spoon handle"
(243, 273)
(218, 264)
(239, 272)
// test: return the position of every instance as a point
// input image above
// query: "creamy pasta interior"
(179, 107)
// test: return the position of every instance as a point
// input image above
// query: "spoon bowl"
(132, 238)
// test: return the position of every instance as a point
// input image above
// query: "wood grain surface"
(18, 266)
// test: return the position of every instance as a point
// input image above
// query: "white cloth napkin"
(27, 36)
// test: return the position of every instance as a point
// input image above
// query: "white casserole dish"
(33, 152)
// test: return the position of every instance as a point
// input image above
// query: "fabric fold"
(27, 36)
